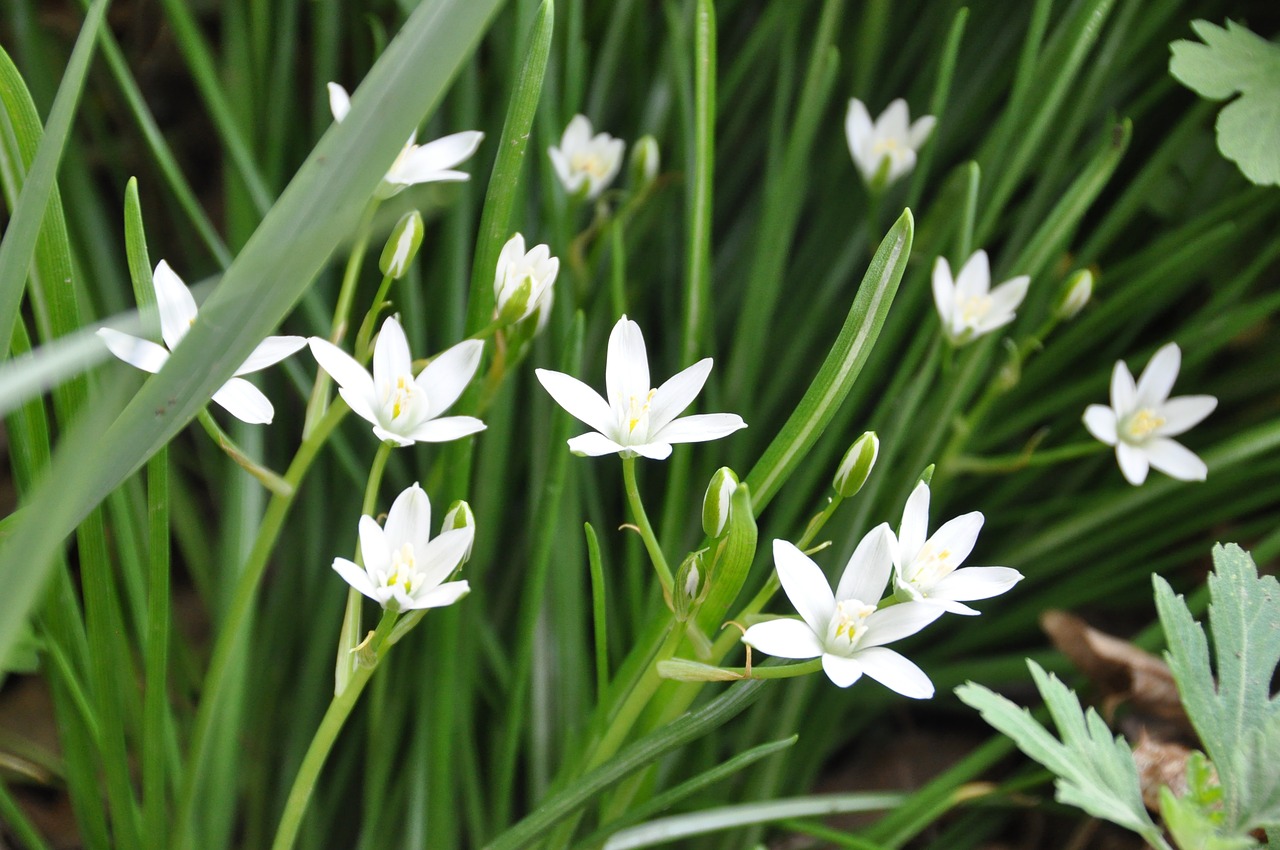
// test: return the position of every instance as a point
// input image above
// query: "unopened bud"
(402, 245)
(927, 475)
(1075, 294)
(690, 586)
(715, 505)
(645, 162)
(1010, 371)
(684, 670)
(856, 465)
(459, 516)
(516, 304)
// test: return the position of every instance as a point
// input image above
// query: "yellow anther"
(1142, 424)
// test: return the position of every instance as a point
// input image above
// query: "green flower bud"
(683, 670)
(402, 245)
(927, 475)
(458, 516)
(856, 465)
(1075, 294)
(690, 586)
(645, 162)
(715, 505)
(516, 303)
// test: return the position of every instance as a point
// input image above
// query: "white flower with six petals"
(969, 307)
(432, 162)
(177, 313)
(845, 629)
(404, 409)
(586, 160)
(516, 268)
(636, 419)
(891, 137)
(926, 571)
(1142, 419)
(403, 565)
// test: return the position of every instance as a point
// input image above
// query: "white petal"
(898, 621)
(576, 134)
(973, 583)
(448, 374)
(895, 672)
(1006, 297)
(391, 359)
(974, 279)
(432, 162)
(139, 353)
(805, 585)
(915, 525)
(957, 537)
(339, 102)
(867, 572)
(857, 128)
(653, 451)
(443, 555)
(593, 445)
(901, 162)
(784, 638)
(271, 350)
(348, 374)
(1101, 422)
(920, 130)
(245, 402)
(571, 181)
(445, 429)
(1175, 460)
(1123, 390)
(1157, 379)
(626, 371)
(409, 520)
(677, 393)
(951, 606)
(177, 307)
(841, 670)
(354, 575)
(359, 405)
(582, 402)
(391, 436)
(375, 549)
(700, 428)
(438, 597)
(1183, 413)
(894, 120)
(1133, 463)
(944, 291)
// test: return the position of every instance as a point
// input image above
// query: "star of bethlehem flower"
(402, 408)
(177, 309)
(403, 566)
(524, 282)
(925, 571)
(636, 419)
(884, 150)
(845, 629)
(1142, 419)
(969, 307)
(586, 160)
(432, 162)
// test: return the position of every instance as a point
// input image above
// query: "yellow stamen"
(1143, 423)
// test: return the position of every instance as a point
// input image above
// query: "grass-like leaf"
(1237, 719)
(1094, 770)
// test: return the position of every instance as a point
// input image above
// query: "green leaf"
(1237, 719)
(1095, 771)
(1235, 60)
(1193, 829)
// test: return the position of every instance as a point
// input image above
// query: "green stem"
(346, 665)
(269, 479)
(633, 706)
(1027, 458)
(346, 295)
(234, 629)
(339, 709)
(646, 530)
(370, 319)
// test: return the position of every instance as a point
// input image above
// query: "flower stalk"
(646, 529)
(349, 635)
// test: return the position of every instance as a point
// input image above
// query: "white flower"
(925, 570)
(969, 307)
(845, 629)
(889, 138)
(525, 281)
(1142, 418)
(636, 419)
(584, 159)
(403, 566)
(429, 163)
(177, 308)
(402, 408)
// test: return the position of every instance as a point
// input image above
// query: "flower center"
(974, 308)
(590, 162)
(638, 413)
(404, 570)
(402, 395)
(1142, 424)
(930, 566)
(889, 145)
(850, 622)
